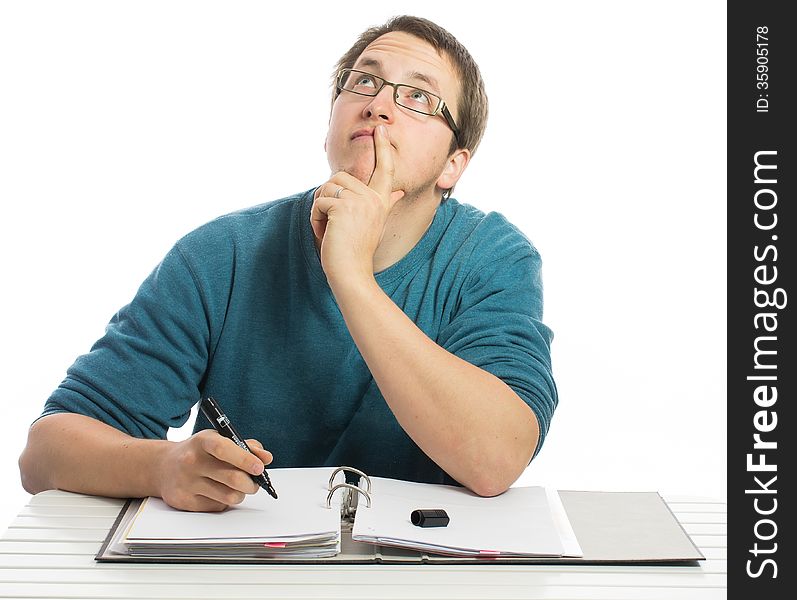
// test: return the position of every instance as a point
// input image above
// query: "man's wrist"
(153, 455)
(353, 288)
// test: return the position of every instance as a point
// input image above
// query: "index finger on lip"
(382, 178)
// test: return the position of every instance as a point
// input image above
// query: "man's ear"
(454, 168)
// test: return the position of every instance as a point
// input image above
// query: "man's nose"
(383, 106)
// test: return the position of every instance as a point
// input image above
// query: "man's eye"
(419, 96)
(363, 80)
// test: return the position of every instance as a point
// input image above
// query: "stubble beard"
(412, 190)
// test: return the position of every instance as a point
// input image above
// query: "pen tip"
(272, 492)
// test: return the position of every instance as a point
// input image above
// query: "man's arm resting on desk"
(76, 453)
(473, 425)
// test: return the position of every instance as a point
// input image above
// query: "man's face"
(420, 143)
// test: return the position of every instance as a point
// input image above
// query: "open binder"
(319, 518)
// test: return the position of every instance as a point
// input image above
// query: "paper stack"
(297, 525)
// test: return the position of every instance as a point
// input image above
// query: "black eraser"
(429, 517)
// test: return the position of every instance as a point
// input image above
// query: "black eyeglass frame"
(441, 105)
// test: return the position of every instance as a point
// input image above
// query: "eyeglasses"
(407, 96)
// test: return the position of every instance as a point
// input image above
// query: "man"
(363, 322)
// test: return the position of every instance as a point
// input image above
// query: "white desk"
(48, 552)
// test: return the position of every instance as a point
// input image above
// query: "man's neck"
(405, 226)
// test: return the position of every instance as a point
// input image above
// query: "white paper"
(300, 513)
(518, 522)
(523, 521)
(570, 544)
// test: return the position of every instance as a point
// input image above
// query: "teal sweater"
(240, 309)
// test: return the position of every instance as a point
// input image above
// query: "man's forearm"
(465, 419)
(79, 454)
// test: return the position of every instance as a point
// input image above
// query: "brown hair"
(472, 106)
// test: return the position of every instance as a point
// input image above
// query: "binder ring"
(351, 487)
(353, 470)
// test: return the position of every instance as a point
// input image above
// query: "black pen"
(212, 411)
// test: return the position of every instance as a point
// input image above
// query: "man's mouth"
(362, 133)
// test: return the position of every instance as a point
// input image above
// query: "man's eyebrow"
(368, 62)
(417, 75)
(427, 79)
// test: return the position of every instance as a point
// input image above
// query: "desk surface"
(48, 552)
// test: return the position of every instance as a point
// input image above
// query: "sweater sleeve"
(498, 325)
(143, 375)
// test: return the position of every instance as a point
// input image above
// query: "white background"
(125, 125)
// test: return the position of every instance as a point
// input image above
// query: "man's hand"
(208, 472)
(349, 216)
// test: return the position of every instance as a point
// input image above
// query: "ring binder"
(527, 524)
(348, 507)
(353, 470)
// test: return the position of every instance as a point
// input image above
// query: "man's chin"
(361, 172)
